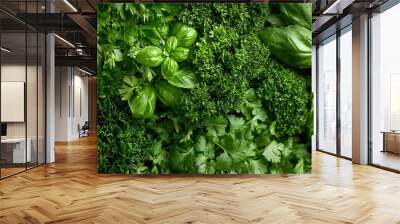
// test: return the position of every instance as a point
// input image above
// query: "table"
(16, 147)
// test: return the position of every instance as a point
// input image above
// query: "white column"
(50, 100)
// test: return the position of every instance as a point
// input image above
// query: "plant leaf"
(180, 54)
(143, 105)
(292, 45)
(272, 152)
(224, 162)
(168, 94)
(182, 78)
(169, 67)
(171, 44)
(186, 35)
(150, 56)
(297, 13)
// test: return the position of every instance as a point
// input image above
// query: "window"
(346, 92)
(385, 89)
(327, 95)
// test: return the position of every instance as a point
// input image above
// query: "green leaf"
(235, 122)
(205, 166)
(159, 156)
(180, 54)
(224, 162)
(229, 144)
(257, 167)
(168, 94)
(292, 45)
(216, 126)
(204, 147)
(272, 152)
(171, 44)
(183, 160)
(297, 13)
(163, 29)
(153, 36)
(169, 67)
(182, 78)
(148, 74)
(276, 20)
(113, 57)
(143, 105)
(131, 84)
(150, 56)
(186, 35)
(299, 168)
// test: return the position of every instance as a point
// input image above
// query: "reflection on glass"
(41, 98)
(327, 95)
(31, 100)
(385, 89)
(346, 92)
(15, 151)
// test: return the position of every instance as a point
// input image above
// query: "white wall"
(71, 102)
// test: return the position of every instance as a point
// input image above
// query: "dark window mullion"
(338, 92)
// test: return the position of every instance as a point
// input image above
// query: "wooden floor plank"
(71, 191)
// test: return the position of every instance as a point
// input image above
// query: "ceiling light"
(5, 50)
(84, 71)
(70, 5)
(65, 41)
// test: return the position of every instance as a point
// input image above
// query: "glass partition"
(32, 97)
(22, 101)
(14, 153)
(41, 109)
(385, 89)
(327, 95)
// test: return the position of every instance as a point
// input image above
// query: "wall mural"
(204, 88)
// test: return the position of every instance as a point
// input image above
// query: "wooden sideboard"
(391, 141)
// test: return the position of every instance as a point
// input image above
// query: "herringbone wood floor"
(71, 191)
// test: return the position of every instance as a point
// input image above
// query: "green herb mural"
(204, 88)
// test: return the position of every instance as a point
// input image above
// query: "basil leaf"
(186, 35)
(143, 105)
(169, 66)
(168, 94)
(148, 74)
(171, 44)
(292, 45)
(297, 14)
(150, 56)
(163, 30)
(153, 36)
(180, 54)
(182, 78)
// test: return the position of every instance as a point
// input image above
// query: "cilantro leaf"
(272, 152)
